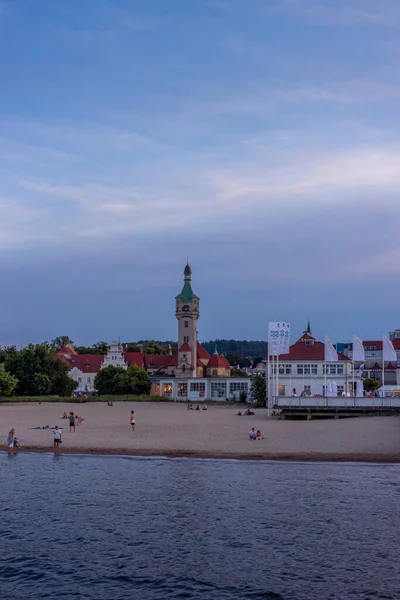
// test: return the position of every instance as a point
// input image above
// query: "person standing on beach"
(10, 441)
(133, 420)
(71, 422)
(57, 437)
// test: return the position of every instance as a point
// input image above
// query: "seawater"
(115, 528)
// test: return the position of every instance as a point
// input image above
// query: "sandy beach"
(171, 430)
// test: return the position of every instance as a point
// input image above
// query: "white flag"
(358, 349)
(278, 338)
(330, 353)
(388, 351)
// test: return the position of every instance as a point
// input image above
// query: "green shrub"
(69, 399)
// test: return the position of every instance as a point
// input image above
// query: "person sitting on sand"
(258, 435)
(197, 407)
(252, 433)
(238, 414)
(205, 407)
(79, 420)
(65, 416)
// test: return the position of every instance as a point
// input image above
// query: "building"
(192, 373)
(302, 370)
(84, 367)
(373, 360)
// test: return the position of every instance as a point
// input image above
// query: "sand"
(171, 430)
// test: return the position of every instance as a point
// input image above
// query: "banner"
(278, 338)
(358, 349)
(388, 351)
(330, 353)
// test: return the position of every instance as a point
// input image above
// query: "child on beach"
(133, 420)
(10, 441)
(57, 437)
(16, 443)
(71, 422)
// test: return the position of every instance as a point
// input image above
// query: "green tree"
(60, 341)
(100, 348)
(258, 389)
(38, 372)
(371, 384)
(141, 380)
(8, 382)
(117, 380)
(132, 347)
(237, 373)
(151, 347)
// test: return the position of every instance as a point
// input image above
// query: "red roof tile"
(185, 347)
(302, 351)
(135, 358)
(202, 352)
(158, 361)
(87, 363)
(217, 361)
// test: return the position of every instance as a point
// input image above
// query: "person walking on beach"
(57, 437)
(133, 420)
(71, 422)
(10, 441)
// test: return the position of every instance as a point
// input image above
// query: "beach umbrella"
(334, 389)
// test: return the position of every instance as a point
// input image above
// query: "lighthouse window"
(186, 323)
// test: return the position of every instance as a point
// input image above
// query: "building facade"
(303, 371)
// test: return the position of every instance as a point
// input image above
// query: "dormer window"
(309, 342)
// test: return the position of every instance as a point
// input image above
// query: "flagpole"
(267, 383)
(352, 362)
(383, 372)
(325, 369)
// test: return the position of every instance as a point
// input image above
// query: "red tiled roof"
(376, 343)
(202, 352)
(302, 351)
(396, 343)
(87, 363)
(135, 358)
(217, 361)
(158, 361)
(375, 367)
(174, 361)
(185, 347)
(391, 367)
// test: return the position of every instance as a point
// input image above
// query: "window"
(340, 390)
(88, 379)
(215, 372)
(182, 390)
(80, 379)
(218, 389)
(198, 386)
(334, 369)
(370, 348)
(307, 390)
(184, 357)
(238, 386)
(285, 369)
(281, 390)
(307, 369)
(166, 389)
(186, 323)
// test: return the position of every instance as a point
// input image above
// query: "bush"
(70, 399)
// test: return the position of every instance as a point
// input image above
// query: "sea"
(116, 528)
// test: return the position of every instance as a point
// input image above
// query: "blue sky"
(259, 137)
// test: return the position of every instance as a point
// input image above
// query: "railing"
(335, 402)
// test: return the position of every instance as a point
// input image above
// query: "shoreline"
(311, 457)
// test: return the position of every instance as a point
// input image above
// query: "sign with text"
(278, 338)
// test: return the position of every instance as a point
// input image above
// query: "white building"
(84, 367)
(302, 370)
(373, 360)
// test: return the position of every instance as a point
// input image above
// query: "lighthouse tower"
(187, 312)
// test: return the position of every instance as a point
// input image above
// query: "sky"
(259, 138)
